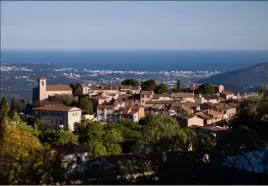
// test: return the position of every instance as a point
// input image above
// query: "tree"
(17, 148)
(82, 131)
(65, 99)
(4, 108)
(17, 104)
(15, 117)
(77, 89)
(148, 85)
(132, 82)
(206, 89)
(260, 91)
(178, 85)
(177, 88)
(57, 137)
(86, 105)
(157, 127)
(111, 140)
(162, 88)
(67, 137)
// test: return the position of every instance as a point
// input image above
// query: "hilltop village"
(113, 103)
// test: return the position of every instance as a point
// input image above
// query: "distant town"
(206, 106)
(19, 79)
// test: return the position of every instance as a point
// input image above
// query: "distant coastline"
(139, 60)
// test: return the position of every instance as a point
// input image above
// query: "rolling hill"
(256, 75)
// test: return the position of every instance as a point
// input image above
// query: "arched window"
(43, 83)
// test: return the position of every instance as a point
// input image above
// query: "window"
(73, 114)
(51, 121)
(43, 83)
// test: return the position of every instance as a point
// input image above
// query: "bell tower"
(42, 86)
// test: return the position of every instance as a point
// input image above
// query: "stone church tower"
(42, 88)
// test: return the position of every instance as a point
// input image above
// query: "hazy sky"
(134, 25)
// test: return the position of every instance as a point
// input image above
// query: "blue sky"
(134, 25)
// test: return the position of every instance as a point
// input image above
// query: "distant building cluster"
(113, 103)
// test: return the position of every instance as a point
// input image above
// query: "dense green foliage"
(4, 108)
(161, 88)
(177, 88)
(68, 100)
(205, 89)
(158, 146)
(148, 85)
(86, 105)
(77, 89)
(132, 82)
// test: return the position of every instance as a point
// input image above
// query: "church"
(43, 91)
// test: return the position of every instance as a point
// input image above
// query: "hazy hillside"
(254, 75)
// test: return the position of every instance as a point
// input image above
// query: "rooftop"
(226, 93)
(58, 88)
(211, 112)
(56, 107)
(182, 95)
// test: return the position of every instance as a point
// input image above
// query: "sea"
(138, 60)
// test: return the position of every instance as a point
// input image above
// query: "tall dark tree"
(86, 105)
(162, 88)
(77, 89)
(206, 89)
(4, 108)
(17, 104)
(132, 82)
(178, 85)
(148, 85)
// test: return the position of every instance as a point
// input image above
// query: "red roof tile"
(58, 88)
(54, 107)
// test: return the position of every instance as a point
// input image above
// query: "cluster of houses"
(203, 113)
(115, 103)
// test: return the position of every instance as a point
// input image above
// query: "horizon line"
(121, 49)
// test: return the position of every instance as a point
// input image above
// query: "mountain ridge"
(254, 75)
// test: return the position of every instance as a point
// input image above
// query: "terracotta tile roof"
(55, 107)
(211, 112)
(204, 116)
(104, 87)
(182, 95)
(129, 87)
(224, 106)
(146, 92)
(156, 96)
(187, 109)
(210, 96)
(190, 104)
(160, 102)
(58, 88)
